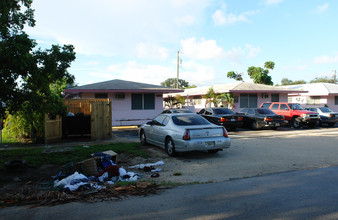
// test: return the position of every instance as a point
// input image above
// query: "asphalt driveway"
(252, 153)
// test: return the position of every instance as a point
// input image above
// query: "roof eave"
(123, 90)
(266, 91)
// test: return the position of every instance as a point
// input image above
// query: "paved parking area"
(252, 153)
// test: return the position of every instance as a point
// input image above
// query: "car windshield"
(181, 111)
(184, 120)
(222, 111)
(295, 107)
(325, 109)
(264, 111)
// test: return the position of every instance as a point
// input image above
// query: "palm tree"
(228, 98)
(211, 97)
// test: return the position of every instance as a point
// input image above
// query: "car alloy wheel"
(296, 123)
(170, 147)
(254, 125)
(143, 138)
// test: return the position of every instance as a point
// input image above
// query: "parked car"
(222, 116)
(176, 110)
(257, 118)
(293, 113)
(327, 116)
(181, 132)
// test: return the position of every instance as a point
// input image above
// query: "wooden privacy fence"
(53, 129)
(100, 119)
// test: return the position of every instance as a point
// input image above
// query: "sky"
(139, 40)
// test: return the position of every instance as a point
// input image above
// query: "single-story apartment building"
(245, 94)
(319, 94)
(133, 103)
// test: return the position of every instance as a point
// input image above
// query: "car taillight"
(240, 118)
(186, 135)
(224, 119)
(225, 133)
(268, 119)
(331, 115)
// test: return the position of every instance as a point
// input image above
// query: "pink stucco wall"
(123, 115)
(260, 99)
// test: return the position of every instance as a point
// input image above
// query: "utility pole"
(178, 68)
(334, 77)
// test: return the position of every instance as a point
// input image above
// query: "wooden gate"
(101, 120)
(53, 129)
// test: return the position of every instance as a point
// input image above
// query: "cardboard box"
(109, 152)
(88, 167)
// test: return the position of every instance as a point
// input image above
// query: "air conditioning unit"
(265, 96)
(120, 96)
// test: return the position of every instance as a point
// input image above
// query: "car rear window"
(325, 109)
(184, 120)
(266, 105)
(265, 111)
(223, 111)
(275, 107)
(182, 111)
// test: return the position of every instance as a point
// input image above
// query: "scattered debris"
(95, 179)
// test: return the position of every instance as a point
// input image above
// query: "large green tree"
(171, 83)
(286, 81)
(261, 75)
(258, 74)
(28, 75)
(324, 80)
(234, 75)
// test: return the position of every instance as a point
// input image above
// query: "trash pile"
(90, 180)
(99, 171)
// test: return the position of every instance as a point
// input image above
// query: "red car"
(294, 113)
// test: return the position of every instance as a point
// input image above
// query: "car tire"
(143, 138)
(312, 125)
(254, 125)
(170, 147)
(296, 123)
(331, 124)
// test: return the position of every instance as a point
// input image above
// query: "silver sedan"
(181, 132)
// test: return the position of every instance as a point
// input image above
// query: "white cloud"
(208, 49)
(153, 74)
(92, 63)
(203, 50)
(185, 20)
(152, 51)
(295, 68)
(221, 17)
(195, 73)
(325, 59)
(272, 2)
(112, 27)
(322, 8)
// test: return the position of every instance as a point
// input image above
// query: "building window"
(313, 100)
(120, 96)
(101, 95)
(336, 100)
(274, 97)
(235, 99)
(248, 100)
(142, 101)
(197, 100)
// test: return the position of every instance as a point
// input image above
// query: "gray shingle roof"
(117, 85)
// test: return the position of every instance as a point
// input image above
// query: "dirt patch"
(34, 186)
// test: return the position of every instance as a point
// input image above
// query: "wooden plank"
(53, 129)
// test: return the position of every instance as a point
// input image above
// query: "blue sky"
(138, 40)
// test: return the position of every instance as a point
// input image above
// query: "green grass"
(9, 140)
(36, 157)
